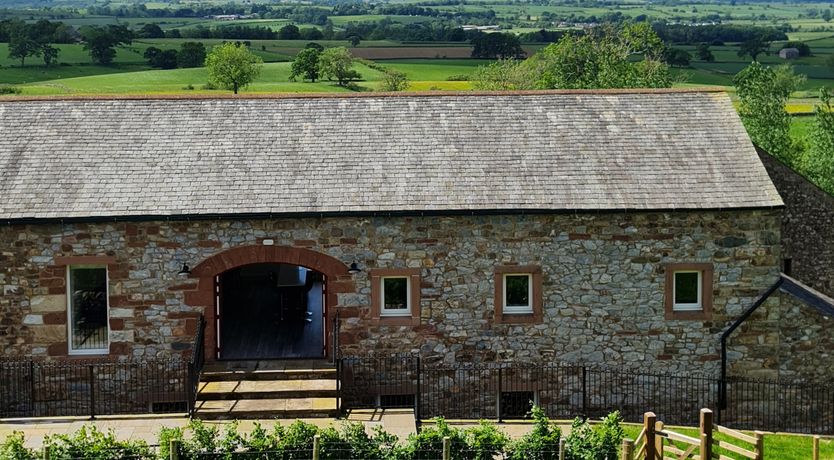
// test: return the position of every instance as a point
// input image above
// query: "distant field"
(426, 74)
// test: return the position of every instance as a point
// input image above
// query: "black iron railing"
(195, 365)
(40, 388)
(501, 391)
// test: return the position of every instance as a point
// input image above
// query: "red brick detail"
(55, 317)
(120, 348)
(84, 260)
(338, 280)
(117, 324)
(209, 244)
(579, 236)
(57, 349)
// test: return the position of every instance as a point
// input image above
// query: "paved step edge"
(226, 376)
(273, 414)
(279, 394)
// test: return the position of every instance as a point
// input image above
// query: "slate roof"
(537, 152)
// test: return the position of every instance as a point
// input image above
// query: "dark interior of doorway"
(271, 311)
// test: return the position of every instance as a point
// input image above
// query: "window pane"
(395, 293)
(686, 287)
(88, 289)
(517, 290)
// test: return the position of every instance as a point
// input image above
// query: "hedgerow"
(350, 440)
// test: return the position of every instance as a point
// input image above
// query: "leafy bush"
(428, 443)
(7, 89)
(351, 440)
(486, 441)
(91, 444)
(599, 442)
(461, 77)
(542, 443)
(13, 448)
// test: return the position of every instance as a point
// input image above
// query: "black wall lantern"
(354, 268)
(184, 271)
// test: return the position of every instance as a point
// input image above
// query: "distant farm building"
(789, 53)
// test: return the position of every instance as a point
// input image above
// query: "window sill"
(520, 318)
(396, 321)
(688, 315)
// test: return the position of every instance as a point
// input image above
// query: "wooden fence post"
(561, 448)
(447, 451)
(628, 449)
(316, 447)
(816, 452)
(706, 433)
(45, 452)
(759, 445)
(658, 440)
(174, 449)
(649, 420)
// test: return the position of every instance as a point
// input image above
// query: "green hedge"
(350, 440)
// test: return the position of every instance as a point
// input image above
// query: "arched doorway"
(270, 311)
(210, 291)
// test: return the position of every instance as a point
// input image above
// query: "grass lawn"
(777, 446)
(274, 78)
(425, 74)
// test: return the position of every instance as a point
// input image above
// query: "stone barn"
(575, 226)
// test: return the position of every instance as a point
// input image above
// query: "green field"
(777, 446)
(425, 74)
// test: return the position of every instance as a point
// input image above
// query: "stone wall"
(603, 283)
(807, 226)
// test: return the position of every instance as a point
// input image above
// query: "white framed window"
(518, 294)
(88, 309)
(395, 296)
(686, 290)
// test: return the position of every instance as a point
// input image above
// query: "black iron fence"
(501, 391)
(35, 388)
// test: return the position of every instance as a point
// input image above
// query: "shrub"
(7, 89)
(428, 443)
(91, 444)
(13, 448)
(595, 443)
(486, 441)
(461, 77)
(542, 443)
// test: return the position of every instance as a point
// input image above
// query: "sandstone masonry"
(603, 284)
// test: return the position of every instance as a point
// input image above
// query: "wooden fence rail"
(656, 442)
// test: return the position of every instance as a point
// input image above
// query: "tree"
(763, 92)
(311, 33)
(49, 54)
(192, 54)
(306, 65)
(335, 64)
(289, 32)
(496, 46)
(602, 58)
(232, 67)
(704, 53)
(753, 47)
(102, 41)
(818, 164)
(150, 31)
(321, 48)
(21, 43)
(354, 40)
(826, 15)
(677, 57)
(156, 57)
(394, 80)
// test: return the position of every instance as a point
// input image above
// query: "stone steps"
(267, 409)
(267, 389)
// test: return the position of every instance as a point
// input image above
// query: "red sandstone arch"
(338, 280)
